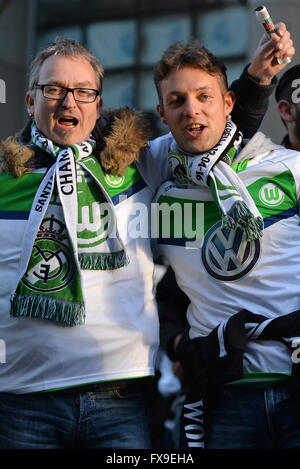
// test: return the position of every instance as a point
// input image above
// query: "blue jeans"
(107, 419)
(254, 419)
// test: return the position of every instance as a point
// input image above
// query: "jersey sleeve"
(252, 101)
(291, 162)
(153, 162)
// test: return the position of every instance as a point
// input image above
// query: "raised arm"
(258, 80)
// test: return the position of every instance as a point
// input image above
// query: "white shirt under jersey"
(120, 336)
(223, 274)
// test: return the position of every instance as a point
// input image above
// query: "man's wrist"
(264, 80)
(176, 341)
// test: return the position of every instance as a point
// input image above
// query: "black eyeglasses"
(82, 95)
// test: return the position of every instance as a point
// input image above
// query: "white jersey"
(221, 272)
(120, 336)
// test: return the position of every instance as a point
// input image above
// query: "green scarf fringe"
(103, 261)
(240, 215)
(62, 312)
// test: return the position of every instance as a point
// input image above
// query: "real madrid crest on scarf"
(50, 267)
(71, 226)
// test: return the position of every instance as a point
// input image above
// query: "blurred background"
(128, 37)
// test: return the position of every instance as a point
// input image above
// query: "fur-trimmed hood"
(120, 135)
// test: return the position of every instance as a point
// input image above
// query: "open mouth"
(195, 129)
(68, 121)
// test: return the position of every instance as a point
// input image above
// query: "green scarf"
(71, 226)
(212, 169)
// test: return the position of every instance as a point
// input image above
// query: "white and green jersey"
(120, 336)
(222, 272)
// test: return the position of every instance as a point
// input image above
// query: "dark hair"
(191, 54)
(284, 89)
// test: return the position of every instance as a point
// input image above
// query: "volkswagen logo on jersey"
(227, 255)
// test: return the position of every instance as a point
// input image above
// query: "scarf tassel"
(240, 215)
(102, 261)
(62, 312)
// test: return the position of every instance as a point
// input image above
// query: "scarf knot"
(212, 168)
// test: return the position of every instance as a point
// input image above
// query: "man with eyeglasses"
(81, 95)
(65, 115)
(78, 317)
(75, 334)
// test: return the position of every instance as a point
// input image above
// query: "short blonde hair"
(64, 47)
